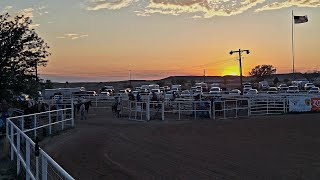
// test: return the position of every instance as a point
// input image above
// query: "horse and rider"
(117, 106)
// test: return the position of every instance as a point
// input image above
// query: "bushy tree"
(311, 76)
(260, 72)
(21, 52)
(276, 81)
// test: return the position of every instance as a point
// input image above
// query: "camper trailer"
(65, 92)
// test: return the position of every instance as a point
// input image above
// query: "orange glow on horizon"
(231, 70)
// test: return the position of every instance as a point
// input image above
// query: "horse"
(114, 108)
(87, 105)
(76, 107)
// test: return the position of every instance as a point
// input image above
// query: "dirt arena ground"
(269, 147)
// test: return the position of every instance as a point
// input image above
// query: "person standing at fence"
(119, 108)
(138, 97)
(4, 107)
(82, 111)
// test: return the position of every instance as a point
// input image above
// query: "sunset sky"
(102, 40)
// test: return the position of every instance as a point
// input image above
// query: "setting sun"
(231, 70)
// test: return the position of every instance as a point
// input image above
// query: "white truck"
(65, 92)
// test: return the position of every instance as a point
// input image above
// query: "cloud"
(5, 9)
(8, 8)
(203, 8)
(32, 12)
(32, 26)
(109, 4)
(289, 3)
(28, 12)
(197, 8)
(72, 36)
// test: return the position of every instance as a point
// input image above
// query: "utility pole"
(130, 78)
(240, 63)
(204, 75)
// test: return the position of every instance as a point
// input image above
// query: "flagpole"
(292, 17)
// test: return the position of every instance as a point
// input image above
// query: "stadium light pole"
(240, 63)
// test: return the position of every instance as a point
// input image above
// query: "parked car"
(215, 91)
(252, 92)
(162, 89)
(293, 89)
(168, 95)
(185, 93)
(272, 90)
(91, 93)
(104, 94)
(137, 89)
(193, 89)
(308, 86)
(283, 88)
(122, 95)
(157, 91)
(247, 86)
(314, 90)
(246, 90)
(235, 92)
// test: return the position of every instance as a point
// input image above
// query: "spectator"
(138, 97)
(4, 113)
(82, 111)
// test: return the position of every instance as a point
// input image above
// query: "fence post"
(162, 108)
(22, 124)
(72, 113)
(27, 159)
(267, 105)
(35, 126)
(96, 101)
(179, 110)
(224, 109)
(18, 152)
(37, 153)
(210, 111)
(249, 107)
(50, 120)
(11, 140)
(214, 110)
(148, 108)
(236, 108)
(195, 110)
(44, 164)
(62, 114)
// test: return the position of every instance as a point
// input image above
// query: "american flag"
(300, 19)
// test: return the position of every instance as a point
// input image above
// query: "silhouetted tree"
(311, 76)
(286, 81)
(260, 72)
(161, 83)
(276, 81)
(47, 84)
(181, 81)
(66, 84)
(21, 52)
(193, 82)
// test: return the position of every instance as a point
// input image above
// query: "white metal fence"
(23, 149)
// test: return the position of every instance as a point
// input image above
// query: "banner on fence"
(315, 104)
(299, 104)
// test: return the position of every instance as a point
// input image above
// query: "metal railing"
(23, 149)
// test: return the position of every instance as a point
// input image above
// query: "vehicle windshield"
(293, 88)
(215, 89)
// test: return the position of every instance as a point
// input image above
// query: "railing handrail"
(45, 112)
(22, 134)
